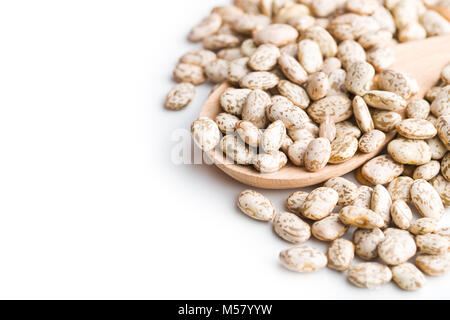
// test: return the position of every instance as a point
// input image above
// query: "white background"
(91, 205)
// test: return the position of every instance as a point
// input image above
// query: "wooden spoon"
(423, 59)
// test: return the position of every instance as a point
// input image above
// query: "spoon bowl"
(422, 59)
